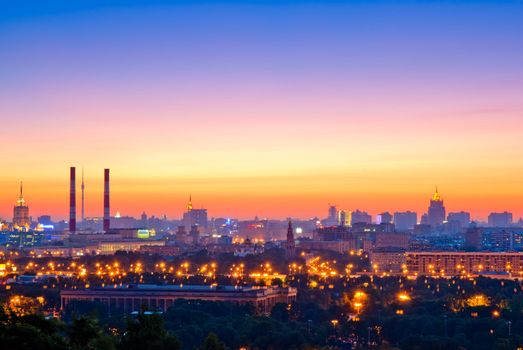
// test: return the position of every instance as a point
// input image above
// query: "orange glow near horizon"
(303, 196)
(295, 170)
(266, 168)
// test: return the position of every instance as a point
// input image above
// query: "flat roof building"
(464, 263)
(133, 297)
(387, 260)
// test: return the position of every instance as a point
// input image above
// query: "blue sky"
(392, 94)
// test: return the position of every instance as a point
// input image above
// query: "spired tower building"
(21, 213)
(194, 216)
(290, 246)
(436, 214)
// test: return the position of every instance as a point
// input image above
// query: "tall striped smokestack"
(107, 203)
(72, 201)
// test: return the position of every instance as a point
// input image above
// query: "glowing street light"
(403, 297)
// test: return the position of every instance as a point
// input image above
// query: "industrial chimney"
(107, 211)
(72, 202)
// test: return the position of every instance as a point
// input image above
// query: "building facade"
(462, 217)
(436, 213)
(500, 219)
(389, 260)
(360, 217)
(21, 220)
(405, 221)
(462, 263)
(384, 218)
(129, 298)
(193, 216)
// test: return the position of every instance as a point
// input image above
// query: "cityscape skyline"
(261, 175)
(173, 214)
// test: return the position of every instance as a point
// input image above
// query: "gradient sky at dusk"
(263, 108)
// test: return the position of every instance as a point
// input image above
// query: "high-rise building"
(194, 234)
(333, 212)
(193, 216)
(405, 221)
(473, 238)
(21, 220)
(45, 220)
(144, 220)
(357, 217)
(424, 219)
(500, 219)
(436, 213)
(332, 218)
(384, 218)
(462, 217)
(343, 218)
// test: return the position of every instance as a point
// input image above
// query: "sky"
(268, 108)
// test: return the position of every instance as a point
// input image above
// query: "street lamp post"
(335, 326)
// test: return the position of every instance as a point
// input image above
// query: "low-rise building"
(337, 246)
(392, 239)
(463, 263)
(108, 248)
(129, 298)
(389, 260)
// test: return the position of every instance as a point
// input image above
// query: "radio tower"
(83, 198)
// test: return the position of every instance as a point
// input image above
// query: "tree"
(280, 312)
(85, 333)
(212, 342)
(147, 332)
(30, 332)
(21, 305)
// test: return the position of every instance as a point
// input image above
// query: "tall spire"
(436, 196)
(21, 201)
(21, 221)
(189, 205)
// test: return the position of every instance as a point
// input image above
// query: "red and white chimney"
(72, 201)
(107, 210)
